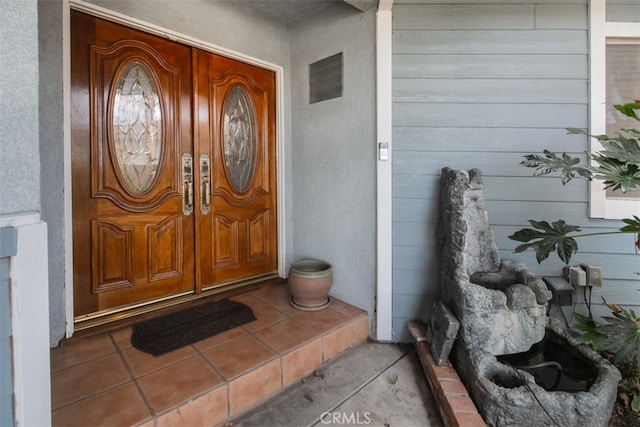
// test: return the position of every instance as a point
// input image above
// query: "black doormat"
(167, 333)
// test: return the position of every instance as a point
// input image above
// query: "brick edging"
(452, 398)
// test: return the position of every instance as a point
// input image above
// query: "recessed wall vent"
(325, 79)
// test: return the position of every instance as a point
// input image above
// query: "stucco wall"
(221, 23)
(19, 158)
(334, 153)
(52, 151)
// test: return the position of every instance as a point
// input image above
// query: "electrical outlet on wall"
(594, 274)
(577, 276)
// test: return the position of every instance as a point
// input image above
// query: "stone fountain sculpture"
(502, 310)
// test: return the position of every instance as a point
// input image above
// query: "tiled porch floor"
(103, 380)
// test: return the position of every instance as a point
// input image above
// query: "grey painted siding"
(480, 85)
(8, 249)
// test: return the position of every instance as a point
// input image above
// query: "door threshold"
(102, 322)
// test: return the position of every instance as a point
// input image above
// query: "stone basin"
(521, 367)
(509, 396)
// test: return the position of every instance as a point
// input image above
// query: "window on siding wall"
(615, 79)
(622, 86)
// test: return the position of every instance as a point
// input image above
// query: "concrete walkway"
(371, 385)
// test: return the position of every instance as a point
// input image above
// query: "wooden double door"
(173, 168)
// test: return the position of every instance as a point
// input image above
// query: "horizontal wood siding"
(7, 250)
(478, 86)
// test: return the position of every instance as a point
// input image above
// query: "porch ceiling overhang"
(292, 11)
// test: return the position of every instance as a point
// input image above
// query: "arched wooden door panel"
(235, 106)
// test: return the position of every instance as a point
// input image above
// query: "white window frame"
(599, 30)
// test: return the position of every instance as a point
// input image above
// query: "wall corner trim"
(385, 5)
(29, 287)
(384, 273)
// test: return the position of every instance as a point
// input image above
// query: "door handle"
(205, 184)
(187, 180)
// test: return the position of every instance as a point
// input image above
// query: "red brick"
(452, 388)
(462, 404)
(447, 411)
(464, 419)
(456, 407)
(445, 372)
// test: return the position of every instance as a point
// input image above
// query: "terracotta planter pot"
(309, 282)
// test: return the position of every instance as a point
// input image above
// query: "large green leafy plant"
(618, 337)
(617, 164)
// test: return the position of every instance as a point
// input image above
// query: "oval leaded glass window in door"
(137, 127)
(240, 139)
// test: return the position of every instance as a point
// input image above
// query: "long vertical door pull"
(187, 179)
(205, 184)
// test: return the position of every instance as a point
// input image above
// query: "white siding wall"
(478, 86)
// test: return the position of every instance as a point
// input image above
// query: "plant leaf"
(628, 109)
(545, 237)
(633, 226)
(635, 403)
(622, 336)
(622, 148)
(567, 166)
(616, 174)
(618, 163)
(589, 330)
